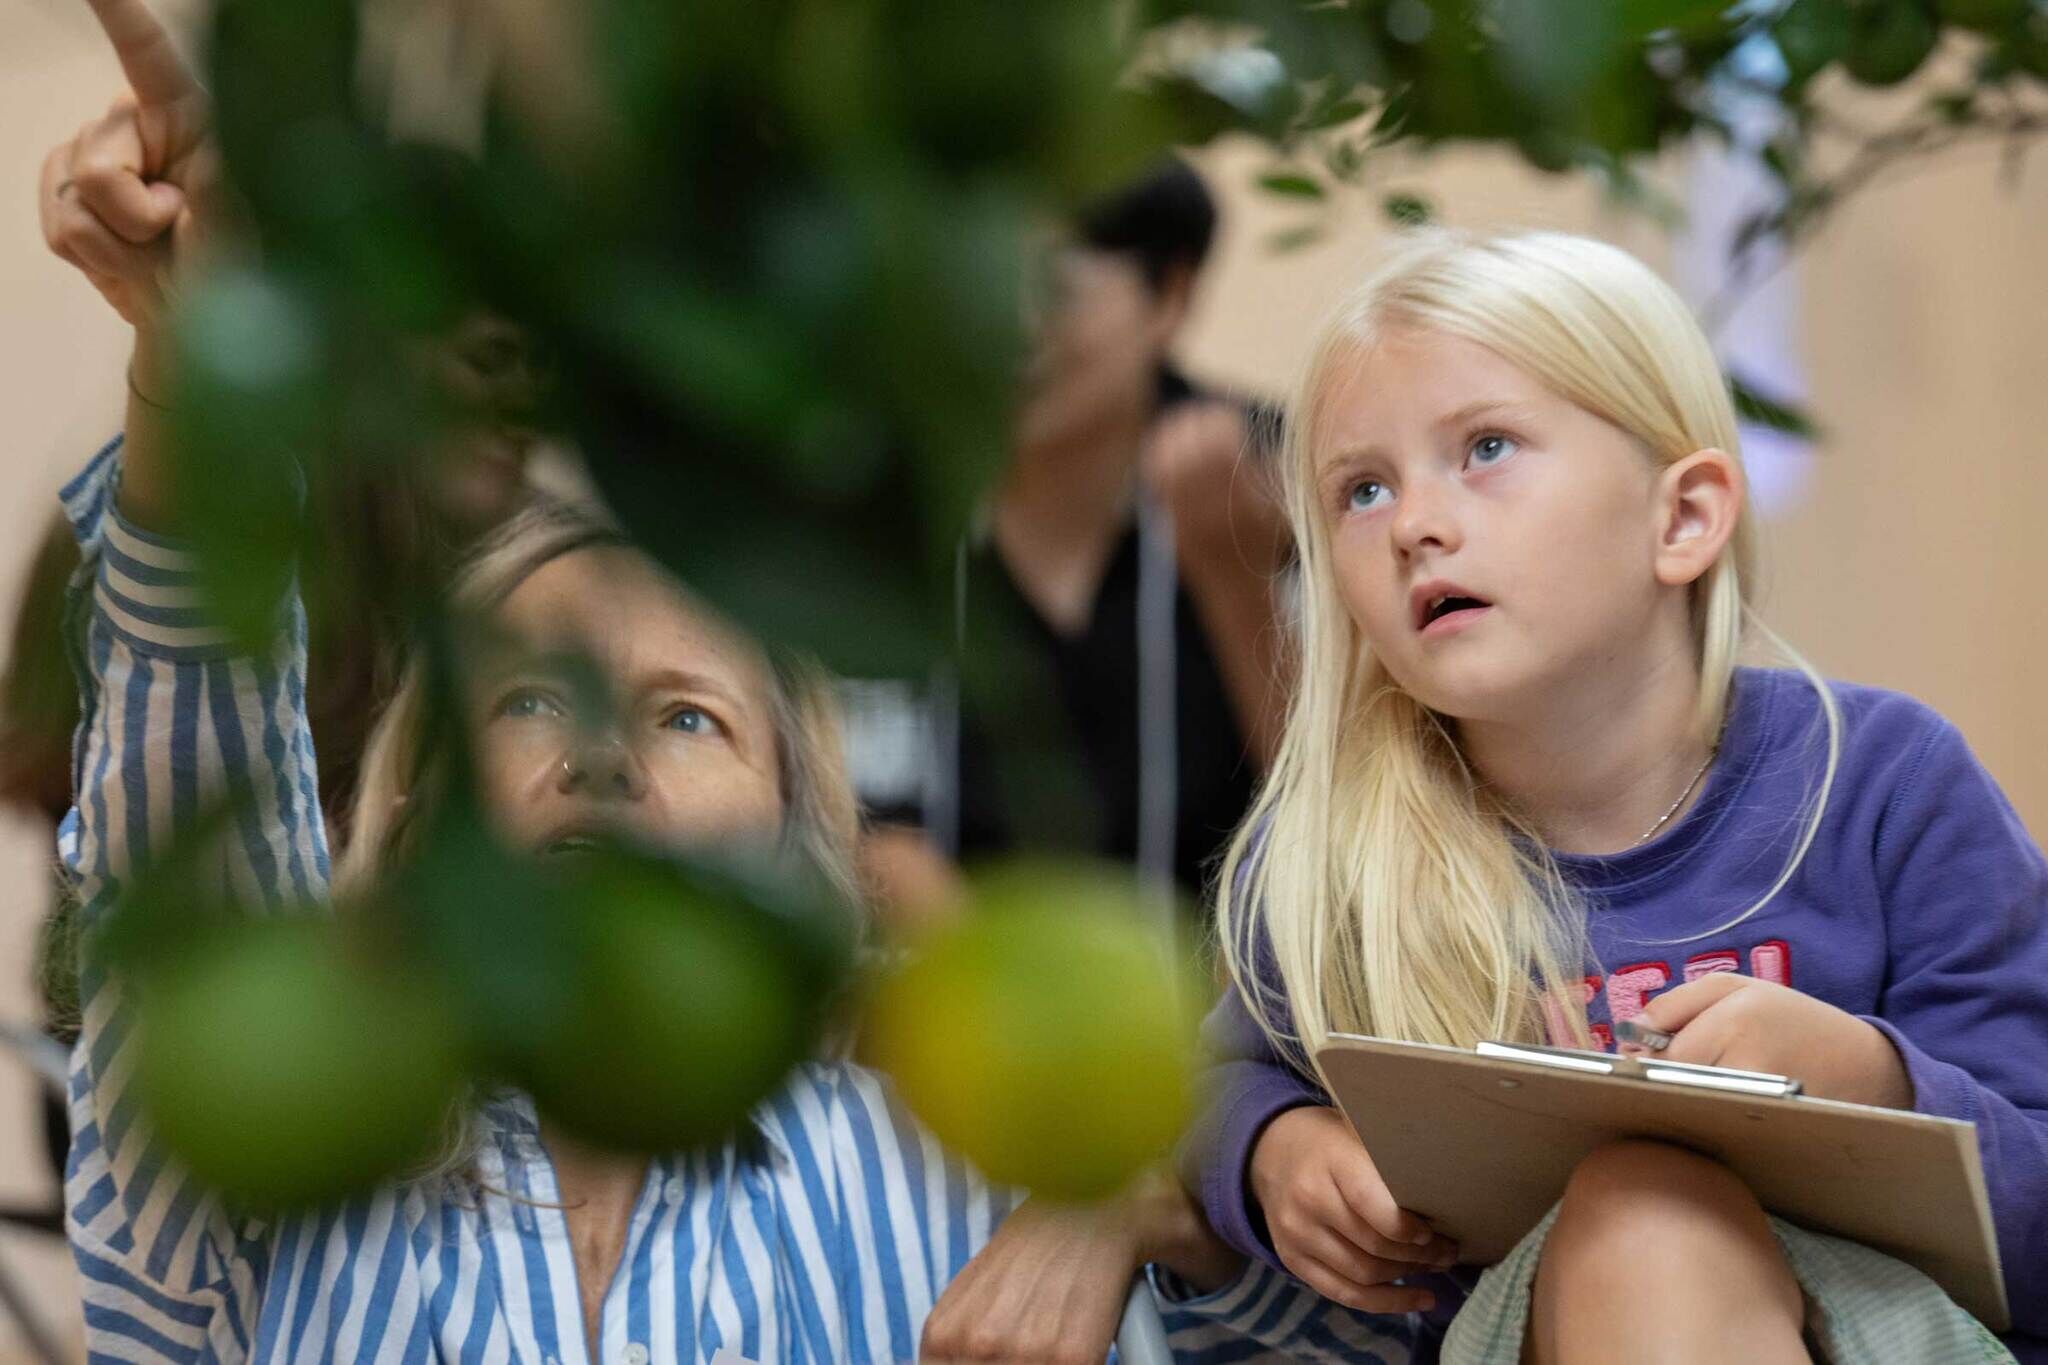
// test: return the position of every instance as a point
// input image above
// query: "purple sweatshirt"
(1922, 906)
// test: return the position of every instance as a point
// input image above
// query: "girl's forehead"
(1404, 377)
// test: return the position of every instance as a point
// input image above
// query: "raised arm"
(173, 723)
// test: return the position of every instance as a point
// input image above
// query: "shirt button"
(634, 1354)
(673, 1190)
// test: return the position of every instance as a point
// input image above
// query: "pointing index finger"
(155, 71)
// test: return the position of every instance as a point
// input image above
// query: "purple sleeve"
(1966, 908)
(1246, 1087)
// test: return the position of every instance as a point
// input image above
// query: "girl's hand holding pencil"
(1738, 1021)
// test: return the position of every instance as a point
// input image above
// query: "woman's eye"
(1491, 450)
(694, 720)
(529, 702)
(1368, 493)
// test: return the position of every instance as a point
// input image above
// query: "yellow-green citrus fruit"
(283, 1072)
(689, 1006)
(1046, 1036)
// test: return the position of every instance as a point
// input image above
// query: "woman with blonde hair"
(1525, 792)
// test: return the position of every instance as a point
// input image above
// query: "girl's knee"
(1634, 1205)
(1656, 1244)
(1635, 1172)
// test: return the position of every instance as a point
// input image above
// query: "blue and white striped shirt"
(828, 1240)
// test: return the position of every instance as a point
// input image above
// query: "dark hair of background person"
(1166, 221)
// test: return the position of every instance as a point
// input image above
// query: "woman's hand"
(127, 201)
(121, 201)
(1051, 1284)
(1738, 1021)
(1332, 1220)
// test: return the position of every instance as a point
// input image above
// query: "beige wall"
(1919, 560)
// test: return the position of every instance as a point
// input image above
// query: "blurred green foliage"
(772, 253)
(1575, 85)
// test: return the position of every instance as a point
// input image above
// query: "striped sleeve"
(171, 722)
(1267, 1315)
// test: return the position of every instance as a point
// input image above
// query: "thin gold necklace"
(1663, 819)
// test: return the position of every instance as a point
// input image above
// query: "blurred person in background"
(798, 1245)
(1134, 546)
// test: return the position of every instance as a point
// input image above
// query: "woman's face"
(616, 705)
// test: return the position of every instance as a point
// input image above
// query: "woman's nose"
(603, 765)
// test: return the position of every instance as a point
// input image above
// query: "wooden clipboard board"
(1481, 1143)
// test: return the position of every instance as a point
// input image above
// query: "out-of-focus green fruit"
(1891, 39)
(1046, 1036)
(692, 1000)
(283, 1072)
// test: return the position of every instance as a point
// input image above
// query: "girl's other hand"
(1751, 1025)
(1333, 1223)
(124, 200)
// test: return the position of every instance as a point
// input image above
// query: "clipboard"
(1482, 1142)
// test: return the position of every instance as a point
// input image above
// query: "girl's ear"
(1698, 501)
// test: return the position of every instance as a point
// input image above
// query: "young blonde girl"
(1525, 791)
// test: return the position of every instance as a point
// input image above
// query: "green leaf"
(1953, 106)
(1294, 238)
(252, 349)
(1986, 16)
(1891, 39)
(1345, 160)
(1336, 114)
(1409, 210)
(1752, 406)
(1810, 34)
(1686, 18)
(1291, 184)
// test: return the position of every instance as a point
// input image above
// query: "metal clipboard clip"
(1641, 1069)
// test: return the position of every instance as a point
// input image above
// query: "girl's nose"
(1424, 518)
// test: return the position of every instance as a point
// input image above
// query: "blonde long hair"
(1376, 886)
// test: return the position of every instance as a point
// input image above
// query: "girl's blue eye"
(528, 702)
(693, 720)
(1368, 493)
(1491, 450)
